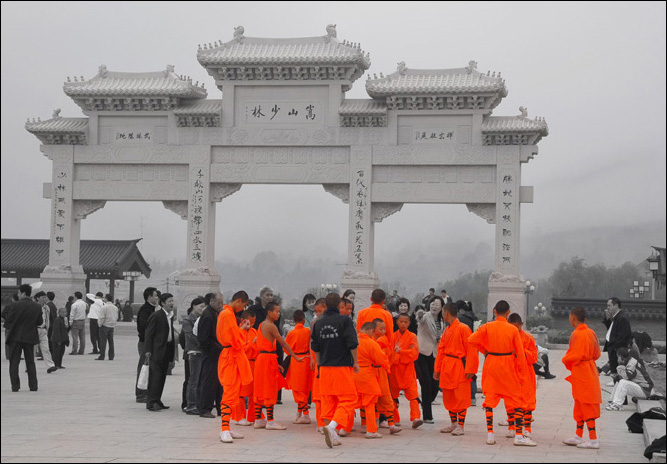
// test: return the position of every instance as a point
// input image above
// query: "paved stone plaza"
(87, 413)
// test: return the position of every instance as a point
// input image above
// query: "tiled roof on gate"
(200, 107)
(407, 81)
(29, 257)
(125, 84)
(362, 106)
(514, 124)
(58, 124)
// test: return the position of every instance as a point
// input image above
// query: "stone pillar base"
(363, 285)
(63, 280)
(193, 283)
(510, 288)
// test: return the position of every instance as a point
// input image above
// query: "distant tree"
(576, 279)
(473, 286)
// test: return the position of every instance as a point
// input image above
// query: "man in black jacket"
(209, 389)
(619, 333)
(151, 302)
(159, 346)
(22, 319)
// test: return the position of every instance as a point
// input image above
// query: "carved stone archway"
(423, 136)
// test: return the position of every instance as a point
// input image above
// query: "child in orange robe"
(403, 375)
(251, 351)
(370, 356)
(580, 359)
(528, 381)
(385, 403)
(299, 375)
(450, 370)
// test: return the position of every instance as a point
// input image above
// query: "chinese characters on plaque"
(132, 136)
(197, 209)
(60, 211)
(360, 203)
(268, 112)
(433, 135)
(508, 198)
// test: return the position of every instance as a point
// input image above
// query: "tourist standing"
(43, 331)
(159, 351)
(93, 316)
(77, 323)
(107, 322)
(210, 390)
(151, 300)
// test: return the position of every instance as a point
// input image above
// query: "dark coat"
(621, 333)
(157, 334)
(206, 333)
(142, 319)
(23, 318)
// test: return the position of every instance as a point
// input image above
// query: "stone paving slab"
(87, 413)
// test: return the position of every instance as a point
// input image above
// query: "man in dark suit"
(159, 345)
(619, 332)
(209, 389)
(150, 303)
(23, 318)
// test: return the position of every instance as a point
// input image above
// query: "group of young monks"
(342, 368)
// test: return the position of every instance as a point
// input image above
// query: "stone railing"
(634, 309)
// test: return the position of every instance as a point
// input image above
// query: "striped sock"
(592, 433)
(518, 418)
(258, 412)
(269, 413)
(452, 417)
(489, 419)
(462, 417)
(511, 414)
(580, 429)
(528, 421)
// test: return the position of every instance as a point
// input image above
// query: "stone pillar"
(359, 274)
(505, 283)
(63, 275)
(200, 275)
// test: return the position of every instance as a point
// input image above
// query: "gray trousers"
(78, 330)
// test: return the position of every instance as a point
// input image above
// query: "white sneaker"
(296, 421)
(490, 438)
(394, 429)
(417, 423)
(330, 436)
(243, 422)
(373, 435)
(305, 419)
(259, 424)
(573, 441)
(383, 425)
(527, 434)
(458, 431)
(448, 429)
(320, 430)
(503, 423)
(511, 433)
(592, 444)
(520, 440)
(226, 437)
(343, 433)
(236, 435)
(273, 425)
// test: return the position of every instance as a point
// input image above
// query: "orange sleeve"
(530, 348)
(379, 356)
(409, 347)
(476, 344)
(521, 365)
(441, 354)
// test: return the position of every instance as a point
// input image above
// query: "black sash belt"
(301, 354)
(500, 354)
(267, 352)
(228, 346)
(455, 357)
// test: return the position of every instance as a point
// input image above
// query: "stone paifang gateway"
(423, 136)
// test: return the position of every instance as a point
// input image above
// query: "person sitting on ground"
(541, 367)
(633, 380)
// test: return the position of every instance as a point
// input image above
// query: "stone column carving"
(221, 191)
(384, 210)
(64, 274)
(506, 283)
(359, 274)
(341, 191)
(486, 211)
(179, 207)
(82, 208)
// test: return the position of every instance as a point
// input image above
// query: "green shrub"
(559, 337)
(536, 321)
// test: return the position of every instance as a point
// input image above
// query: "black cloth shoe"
(141, 400)
(154, 408)
(99, 358)
(94, 352)
(549, 376)
(51, 369)
(192, 412)
(60, 367)
(207, 415)
(163, 406)
(72, 352)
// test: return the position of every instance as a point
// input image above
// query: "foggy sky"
(596, 72)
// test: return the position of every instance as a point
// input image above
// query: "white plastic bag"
(142, 383)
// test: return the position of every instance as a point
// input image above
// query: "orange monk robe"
(251, 352)
(504, 364)
(385, 402)
(299, 375)
(315, 392)
(233, 366)
(369, 355)
(376, 311)
(453, 347)
(268, 379)
(528, 381)
(402, 375)
(580, 359)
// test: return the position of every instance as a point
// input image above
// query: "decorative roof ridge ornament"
(102, 72)
(472, 65)
(402, 69)
(56, 114)
(238, 34)
(331, 33)
(169, 70)
(524, 112)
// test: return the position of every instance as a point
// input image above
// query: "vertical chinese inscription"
(361, 203)
(62, 211)
(197, 215)
(508, 198)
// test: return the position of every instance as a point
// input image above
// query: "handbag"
(142, 383)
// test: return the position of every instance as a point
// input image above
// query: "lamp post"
(654, 267)
(539, 309)
(639, 288)
(328, 288)
(530, 288)
(131, 276)
(175, 275)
